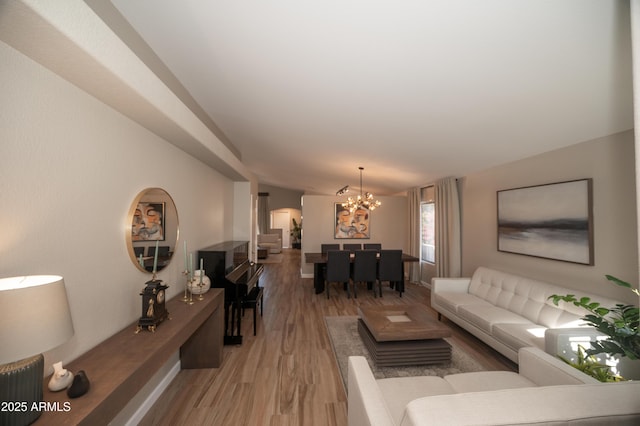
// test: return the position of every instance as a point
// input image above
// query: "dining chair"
(372, 246)
(352, 247)
(338, 269)
(364, 269)
(139, 251)
(324, 248)
(390, 269)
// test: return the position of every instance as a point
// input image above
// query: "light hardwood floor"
(287, 374)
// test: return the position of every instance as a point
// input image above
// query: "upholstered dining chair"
(338, 269)
(364, 269)
(351, 247)
(373, 246)
(324, 248)
(390, 269)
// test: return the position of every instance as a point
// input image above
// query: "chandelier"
(364, 201)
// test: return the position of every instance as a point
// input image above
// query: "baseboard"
(302, 275)
(154, 395)
(426, 284)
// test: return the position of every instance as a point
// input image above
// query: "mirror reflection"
(152, 226)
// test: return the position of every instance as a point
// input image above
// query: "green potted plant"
(296, 234)
(588, 364)
(619, 323)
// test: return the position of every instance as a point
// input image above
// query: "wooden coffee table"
(403, 335)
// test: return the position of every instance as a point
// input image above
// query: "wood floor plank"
(286, 375)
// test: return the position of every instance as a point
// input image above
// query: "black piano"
(227, 265)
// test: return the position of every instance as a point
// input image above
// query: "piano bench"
(251, 301)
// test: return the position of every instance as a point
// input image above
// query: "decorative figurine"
(61, 378)
(80, 385)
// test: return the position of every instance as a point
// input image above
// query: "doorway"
(282, 219)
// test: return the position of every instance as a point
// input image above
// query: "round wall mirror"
(152, 223)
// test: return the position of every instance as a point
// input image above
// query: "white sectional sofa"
(546, 391)
(506, 311)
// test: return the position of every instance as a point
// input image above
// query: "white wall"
(610, 162)
(281, 198)
(388, 225)
(70, 166)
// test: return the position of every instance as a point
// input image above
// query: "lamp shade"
(34, 316)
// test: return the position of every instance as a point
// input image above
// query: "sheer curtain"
(448, 246)
(263, 212)
(413, 200)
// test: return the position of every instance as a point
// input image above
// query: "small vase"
(195, 287)
(61, 378)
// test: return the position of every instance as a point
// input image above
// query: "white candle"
(190, 266)
(201, 271)
(155, 258)
(185, 256)
(141, 261)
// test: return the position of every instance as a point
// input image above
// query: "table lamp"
(34, 318)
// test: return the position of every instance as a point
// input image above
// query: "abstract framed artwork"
(551, 221)
(148, 222)
(351, 225)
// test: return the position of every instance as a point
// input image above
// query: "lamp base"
(21, 385)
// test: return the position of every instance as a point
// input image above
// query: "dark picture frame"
(550, 221)
(148, 222)
(351, 225)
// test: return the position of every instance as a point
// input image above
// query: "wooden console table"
(121, 365)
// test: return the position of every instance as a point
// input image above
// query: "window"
(427, 232)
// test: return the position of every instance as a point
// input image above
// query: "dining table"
(319, 261)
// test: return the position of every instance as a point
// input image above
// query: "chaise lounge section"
(546, 391)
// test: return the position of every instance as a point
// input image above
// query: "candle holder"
(190, 301)
(200, 285)
(185, 298)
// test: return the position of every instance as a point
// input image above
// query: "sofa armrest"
(601, 404)
(565, 341)
(547, 370)
(458, 285)
(366, 403)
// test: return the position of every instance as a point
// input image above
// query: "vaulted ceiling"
(305, 92)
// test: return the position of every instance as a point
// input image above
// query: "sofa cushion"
(553, 317)
(481, 381)
(399, 391)
(528, 297)
(452, 300)
(520, 335)
(268, 238)
(484, 316)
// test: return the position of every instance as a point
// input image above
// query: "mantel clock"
(154, 309)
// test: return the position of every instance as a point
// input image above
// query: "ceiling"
(413, 91)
